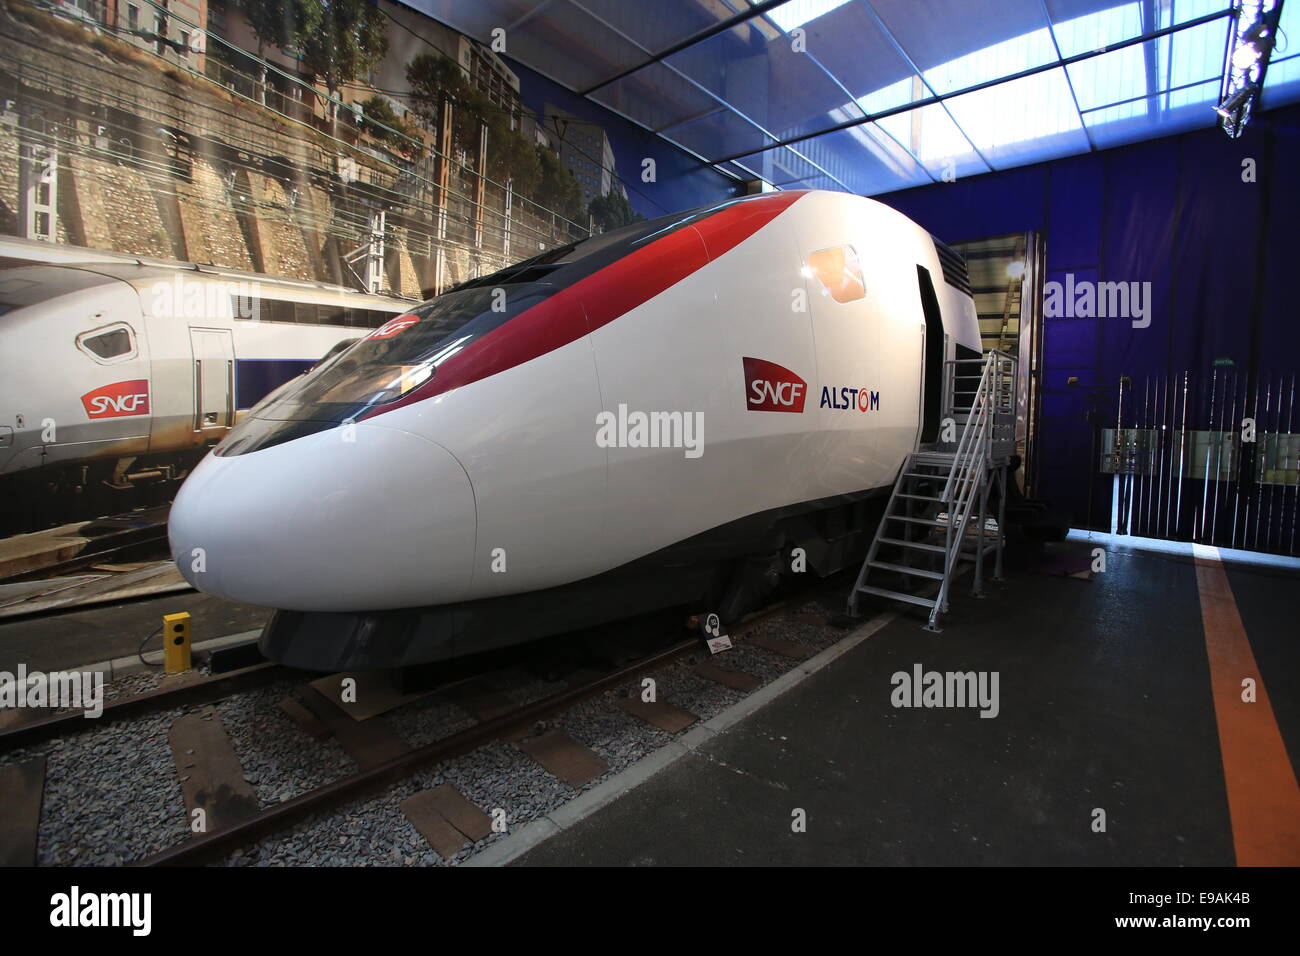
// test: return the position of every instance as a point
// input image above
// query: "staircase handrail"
(975, 416)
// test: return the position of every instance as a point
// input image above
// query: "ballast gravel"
(112, 794)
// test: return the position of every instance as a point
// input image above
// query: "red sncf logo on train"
(393, 326)
(118, 399)
(772, 388)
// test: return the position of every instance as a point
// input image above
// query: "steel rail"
(219, 843)
(118, 541)
(205, 691)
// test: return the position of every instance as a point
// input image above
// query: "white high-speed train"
(115, 372)
(651, 417)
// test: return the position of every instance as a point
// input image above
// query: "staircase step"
(919, 497)
(904, 569)
(895, 595)
(925, 521)
(913, 545)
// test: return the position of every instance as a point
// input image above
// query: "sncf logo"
(393, 326)
(118, 399)
(771, 388)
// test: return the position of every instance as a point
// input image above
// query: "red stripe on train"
(601, 297)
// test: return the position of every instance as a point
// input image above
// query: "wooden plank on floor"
(478, 700)
(21, 553)
(460, 812)
(736, 680)
(1263, 797)
(211, 776)
(658, 714)
(22, 788)
(312, 725)
(562, 756)
(368, 742)
(445, 839)
(375, 693)
(788, 649)
(164, 577)
(18, 592)
(446, 819)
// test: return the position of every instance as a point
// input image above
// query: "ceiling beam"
(1031, 71)
(699, 37)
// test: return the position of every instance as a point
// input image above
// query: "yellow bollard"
(176, 642)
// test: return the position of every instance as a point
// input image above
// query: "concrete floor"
(105, 632)
(1105, 702)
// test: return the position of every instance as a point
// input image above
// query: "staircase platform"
(969, 470)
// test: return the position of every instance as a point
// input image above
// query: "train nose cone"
(385, 520)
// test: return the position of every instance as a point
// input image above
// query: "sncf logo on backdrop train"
(773, 388)
(118, 399)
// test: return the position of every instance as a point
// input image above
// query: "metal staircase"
(937, 516)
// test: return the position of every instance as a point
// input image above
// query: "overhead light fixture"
(1254, 43)
(1254, 32)
(1233, 104)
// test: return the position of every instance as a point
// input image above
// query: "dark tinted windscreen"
(402, 354)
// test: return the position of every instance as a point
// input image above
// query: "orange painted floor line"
(1263, 798)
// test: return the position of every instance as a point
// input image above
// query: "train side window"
(109, 343)
(331, 315)
(370, 318)
(839, 272)
(273, 310)
(309, 313)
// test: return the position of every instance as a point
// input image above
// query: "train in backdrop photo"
(656, 416)
(118, 374)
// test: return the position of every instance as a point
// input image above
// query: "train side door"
(866, 325)
(213, 353)
(113, 368)
(932, 369)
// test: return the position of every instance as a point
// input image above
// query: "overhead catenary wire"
(116, 144)
(626, 183)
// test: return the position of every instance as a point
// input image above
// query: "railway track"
(107, 538)
(208, 847)
(368, 780)
(113, 559)
(205, 690)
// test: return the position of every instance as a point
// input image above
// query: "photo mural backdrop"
(354, 142)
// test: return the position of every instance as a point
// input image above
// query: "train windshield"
(401, 354)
